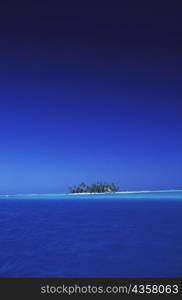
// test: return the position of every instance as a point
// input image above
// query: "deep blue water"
(91, 237)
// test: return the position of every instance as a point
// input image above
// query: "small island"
(94, 188)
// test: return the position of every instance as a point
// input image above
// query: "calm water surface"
(84, 237)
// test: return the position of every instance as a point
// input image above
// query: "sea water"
(113, 235)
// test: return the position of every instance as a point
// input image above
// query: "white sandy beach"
(126, 192)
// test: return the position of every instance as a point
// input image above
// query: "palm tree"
(98, 187)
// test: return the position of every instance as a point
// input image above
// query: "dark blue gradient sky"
(90, 94)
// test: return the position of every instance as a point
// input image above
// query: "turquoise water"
(172, 194)
(113, 235)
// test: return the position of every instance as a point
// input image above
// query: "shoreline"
(86, 193)
(106, 193)
(126, 192)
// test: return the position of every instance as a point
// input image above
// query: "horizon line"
(86, 193)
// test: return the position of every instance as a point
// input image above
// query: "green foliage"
(94, 188)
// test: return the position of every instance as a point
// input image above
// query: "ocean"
(108, 235)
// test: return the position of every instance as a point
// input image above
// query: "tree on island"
(94, 188)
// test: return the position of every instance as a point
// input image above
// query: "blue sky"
(90, 95)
